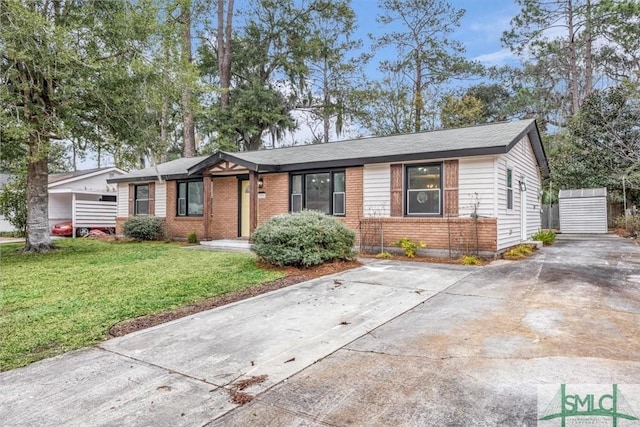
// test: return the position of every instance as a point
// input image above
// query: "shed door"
(583, 215)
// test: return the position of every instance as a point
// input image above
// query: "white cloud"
(499, 57)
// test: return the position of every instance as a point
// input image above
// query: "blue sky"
(480, 31)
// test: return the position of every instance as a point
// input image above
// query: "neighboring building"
(5, 226)
(83, 197)
(467, 189)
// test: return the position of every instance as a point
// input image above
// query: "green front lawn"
(67, 299)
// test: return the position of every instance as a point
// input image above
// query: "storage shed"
(583, 211)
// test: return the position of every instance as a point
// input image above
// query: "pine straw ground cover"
(69, 298)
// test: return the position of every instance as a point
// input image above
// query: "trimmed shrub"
(303, 239)
(518, 252)
(192, 237)
(547, 237)
(470, 260)
(409, 247)
(144, 228)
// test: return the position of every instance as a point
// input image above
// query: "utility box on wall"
(583, 211)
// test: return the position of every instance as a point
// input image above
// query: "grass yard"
(64, 300)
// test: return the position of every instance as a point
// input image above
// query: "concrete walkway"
(181, 373)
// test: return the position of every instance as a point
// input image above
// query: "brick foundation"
(460, 235)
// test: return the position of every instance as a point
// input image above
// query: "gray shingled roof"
(468, 138)
(174, 169)
(487, 139)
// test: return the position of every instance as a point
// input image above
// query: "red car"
(66, 229)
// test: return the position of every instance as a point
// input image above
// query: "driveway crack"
(472, 295)
(164, 368)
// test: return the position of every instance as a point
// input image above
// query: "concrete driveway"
(394, 344)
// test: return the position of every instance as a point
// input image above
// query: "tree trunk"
(37, 239)
(164, 135)
(187, 113)
(255, 142)
(326, 122)
(224, 50)
(74, 156)
(573, 62)
(588, 68)
(418, 95)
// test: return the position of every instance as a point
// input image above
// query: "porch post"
(253, 201)
(73, 215)
(207, 208)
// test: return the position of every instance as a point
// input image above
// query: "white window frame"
(509, 187)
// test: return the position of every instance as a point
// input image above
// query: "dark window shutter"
(451, 187)
(396, 189)
(132, 195)
(152, 198)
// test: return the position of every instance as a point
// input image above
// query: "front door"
(244, 208)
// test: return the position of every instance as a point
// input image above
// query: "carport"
(583, 211)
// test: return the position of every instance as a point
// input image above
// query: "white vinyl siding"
(123, 200)
(94, 213)
(476, 184)
(161, 199)
(522, 161)
(376, 196)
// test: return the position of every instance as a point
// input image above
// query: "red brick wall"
(180, 226)
(276, 189)
(224, 221)
(353, 181)
(119, 222)
(437, 233)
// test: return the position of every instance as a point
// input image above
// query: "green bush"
(409, 247)
(192, 237)
(470, 260)
(518, 252)
(144, 228)
(303, 239)
(547, 237)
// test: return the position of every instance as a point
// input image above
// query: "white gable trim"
(89, 175)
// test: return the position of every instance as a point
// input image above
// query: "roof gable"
(64, 178)
(174, 169)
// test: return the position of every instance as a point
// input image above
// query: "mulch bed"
(293, 275)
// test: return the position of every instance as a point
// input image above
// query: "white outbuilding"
(583, 211)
